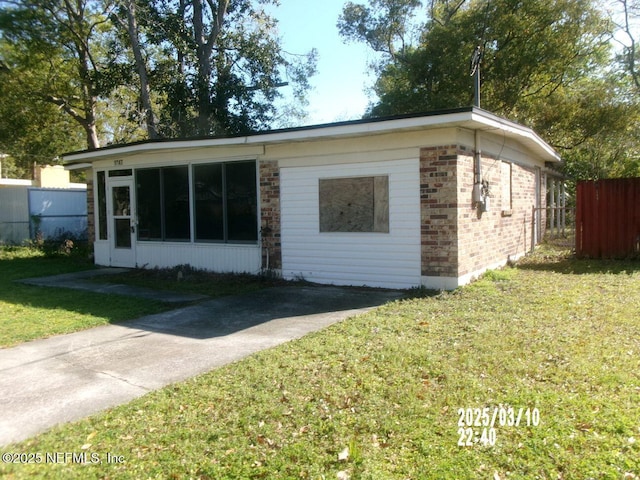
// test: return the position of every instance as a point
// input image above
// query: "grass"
(186, 279)
(28, 313)
(378, 396)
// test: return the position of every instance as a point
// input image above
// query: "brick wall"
(270, 213)
(503, 232)
(438, 210)
(458, 239)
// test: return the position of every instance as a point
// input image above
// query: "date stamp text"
(479, 426)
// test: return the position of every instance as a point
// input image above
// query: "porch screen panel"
(242, 201)
(148, 196)
(176, 203)
(209, 202)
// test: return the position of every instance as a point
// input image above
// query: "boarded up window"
(359, 204)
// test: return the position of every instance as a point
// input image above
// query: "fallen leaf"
(496, 476)
(91, 435)
(344, 454)
(343, 475)
(86, 446)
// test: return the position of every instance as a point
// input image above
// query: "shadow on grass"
(28, 312)
(37, 311)
(569, 264)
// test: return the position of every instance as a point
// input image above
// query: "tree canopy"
(549, 65)
(114, 71)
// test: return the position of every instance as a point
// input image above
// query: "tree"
(32, 129)
(545, 64)
(530, 49)
(122, 70)
(130, 9)
(221, 67)
(66, 31)
(385, 25)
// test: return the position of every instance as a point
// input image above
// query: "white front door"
(122, 236)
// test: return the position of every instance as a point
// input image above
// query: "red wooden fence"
(608, 218)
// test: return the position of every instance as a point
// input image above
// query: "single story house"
(433, 199)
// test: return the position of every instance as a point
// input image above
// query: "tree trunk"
(204, 49)
(145, 91)
(89, 99)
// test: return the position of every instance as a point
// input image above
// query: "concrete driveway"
(68, 377)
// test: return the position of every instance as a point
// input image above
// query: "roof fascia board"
(513, 129)
(471, 118)
(294, 135)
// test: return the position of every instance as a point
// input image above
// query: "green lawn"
(28, 312)
(380, 396)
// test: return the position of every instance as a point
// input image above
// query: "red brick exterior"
(457, 238)
(270, 214)
(438, 211)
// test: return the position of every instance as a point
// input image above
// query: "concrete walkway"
(68, 377)
(78, 281)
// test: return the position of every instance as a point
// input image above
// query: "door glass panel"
(123, 232)
(121, 202)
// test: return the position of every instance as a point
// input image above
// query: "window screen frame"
(227, 231)
(162, 205)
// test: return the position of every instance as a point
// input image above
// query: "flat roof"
(472, 118)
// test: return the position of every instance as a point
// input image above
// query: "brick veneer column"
(438, 211)
(270, 213)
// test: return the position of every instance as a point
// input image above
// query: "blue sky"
(339, 86)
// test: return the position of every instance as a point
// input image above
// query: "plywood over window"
(355, 204)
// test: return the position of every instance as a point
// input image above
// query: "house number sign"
(118, 162)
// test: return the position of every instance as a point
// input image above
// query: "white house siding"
(217, 258)
(206, 256)
(390, 260)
